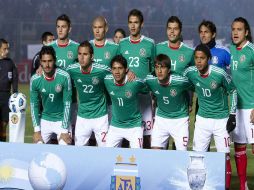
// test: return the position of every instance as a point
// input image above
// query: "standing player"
(212, 86)
(104, 50)
(180, 54)
(8, 81)
(172, 115)
(139, 52)
(65, 48)
(46, 38)
(54, 88)
(92, 109)
(126, 117)
(220, 54)
(66, 54)
(242, 70)
(118, 35)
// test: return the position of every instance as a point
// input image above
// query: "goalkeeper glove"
(231, 123)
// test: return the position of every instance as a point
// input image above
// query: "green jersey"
(171, 99)
(125, 105)
(65, 55)
(212, 92)
(91, 90)
(181, 58)
(139, 55)
(56, 98)
(104, 54)
(242, 70)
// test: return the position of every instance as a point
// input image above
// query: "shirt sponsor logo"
(107, 55)
(95, 80)
(213, 85)
(58, 88)
(70, 55)
(173, 92)
(128, 94)
(215, 60)
(142, 52)
(181, 58)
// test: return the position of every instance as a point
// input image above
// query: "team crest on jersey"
(107, 55)
(181, 58)
(142, 52)
(128, 93)
(58, 88)
(215, 60)
(173, 92)
(242, 58)
(95, 80)
(70, 55)
(213, 85)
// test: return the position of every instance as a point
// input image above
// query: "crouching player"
(54, 88)
(212, 86)
(126, 117)
(172, 117)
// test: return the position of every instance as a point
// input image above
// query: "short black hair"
(204, 48)
(137, 13)
(47, 50)
(119, 59)
(65, 18)
(45, 35)
(87, 44)
(209, 24)
(163, 59)
(3, 41)
(173, 19)
(121, 31)
(246, 26)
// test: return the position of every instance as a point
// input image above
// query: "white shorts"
(48, 128)
(244, 131)
(133, 135)
(205, 128)
(85, 127)
(178, 129)
(145, 102)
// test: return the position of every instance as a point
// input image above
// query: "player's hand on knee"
(231, 123)
(252, 116)
(66, 138)
(37, 137)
